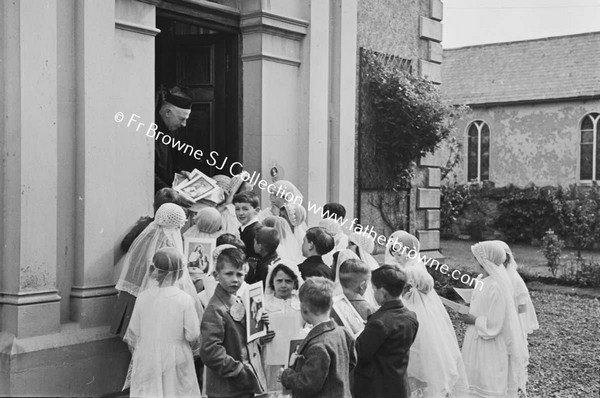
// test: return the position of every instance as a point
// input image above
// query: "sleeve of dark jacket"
(310, 379)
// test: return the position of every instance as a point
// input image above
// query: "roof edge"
(532, 101)
(523, 41)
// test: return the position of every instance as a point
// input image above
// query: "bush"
(552, 247)
(455, 197)
(525, 214)
(577, 210)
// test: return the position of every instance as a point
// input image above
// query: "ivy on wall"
(402, 118)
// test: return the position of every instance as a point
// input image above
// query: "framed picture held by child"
(255, 327)
(344, 314)
(198, 254)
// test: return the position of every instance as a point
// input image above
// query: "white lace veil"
(164, 231)
(365, 245)
(528, 319)
(491, 256)
(288, 245)
(415, 269)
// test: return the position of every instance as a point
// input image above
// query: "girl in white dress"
(436, 367)
(525, 309)
(296, 217)
(281, 297)
(494, 350)
(163, 323)
(288, 245)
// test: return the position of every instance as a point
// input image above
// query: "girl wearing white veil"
(281, 300)
(277, 197)
(288, 245)
(436, 368)
(164, 231)
(295, 215)
(163, 324)
(494, 350)
(525, 309)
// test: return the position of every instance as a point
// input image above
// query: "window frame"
(479, 123)
(595, 158)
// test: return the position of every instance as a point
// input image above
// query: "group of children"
(408, 346)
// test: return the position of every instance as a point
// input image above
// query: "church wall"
(530, 143)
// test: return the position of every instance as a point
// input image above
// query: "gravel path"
(565, 351)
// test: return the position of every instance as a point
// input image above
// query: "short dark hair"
(268, 237)
(336, 209)
(231, 239)
(323, 241)
(288, 272)
(247, 197)
(389, 277)
(317, 294)
(165, 195)
(234, 256)
(352, 273)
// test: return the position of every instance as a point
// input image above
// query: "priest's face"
(176, 117)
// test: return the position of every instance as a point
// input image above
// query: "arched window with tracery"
(589, 164)
(478, 151)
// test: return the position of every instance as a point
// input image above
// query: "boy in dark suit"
(247, 207)
(316, 243)
(383, 346)
(266, 243)
(327, 355)
(233, 365)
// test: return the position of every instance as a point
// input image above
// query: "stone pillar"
(426, 206)
(29, 300)
(93, 293)
(272, 36)
(343, 103)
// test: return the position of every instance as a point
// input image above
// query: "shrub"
(577, 210)
(525, 214)
(552, 247)
(454, 199)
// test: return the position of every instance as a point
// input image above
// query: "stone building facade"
(76, 174)
(535, 110)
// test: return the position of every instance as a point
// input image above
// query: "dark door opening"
(206, 63)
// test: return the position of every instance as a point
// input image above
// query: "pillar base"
(27, 314)
(74, 362)
(92, 306)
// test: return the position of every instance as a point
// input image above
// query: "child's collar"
(252, 221)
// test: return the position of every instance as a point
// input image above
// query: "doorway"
(206, 62)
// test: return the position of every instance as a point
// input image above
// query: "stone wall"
(530, 143)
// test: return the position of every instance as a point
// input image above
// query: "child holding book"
(494, 349)
(384, 345)
(327, 355)
(163, 324)
(233, 364)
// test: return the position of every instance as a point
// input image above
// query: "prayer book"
(461, 309)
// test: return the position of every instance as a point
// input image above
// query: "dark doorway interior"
(206, 63)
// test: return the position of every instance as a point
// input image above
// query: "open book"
(465, 294)
(461, 309)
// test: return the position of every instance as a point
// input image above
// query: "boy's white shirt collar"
(252, 221)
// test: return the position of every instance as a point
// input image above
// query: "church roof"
(547, 69)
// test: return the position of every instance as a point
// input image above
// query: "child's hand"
(268, 338)
(468, 319)
(265, 319)
(279, 373)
